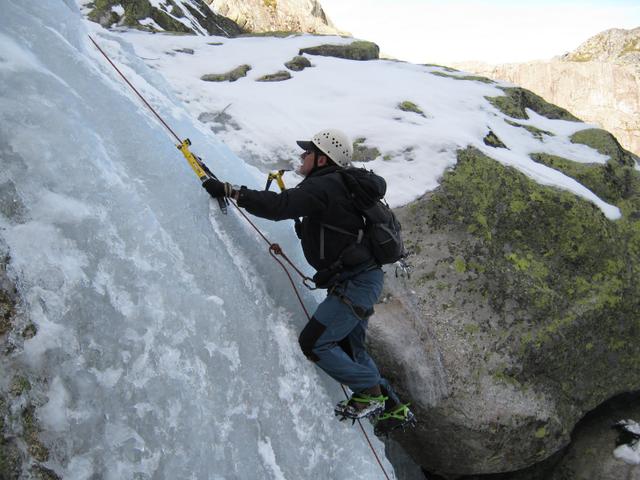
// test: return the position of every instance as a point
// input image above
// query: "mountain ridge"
(599, 81)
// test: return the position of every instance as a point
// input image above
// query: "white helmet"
(333, 143)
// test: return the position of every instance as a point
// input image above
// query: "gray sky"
(497, 31)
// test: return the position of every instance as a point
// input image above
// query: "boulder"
(230, 76)
(358, 50)
(516, 100)
(521, 315)
(298, 63)
(275, 77)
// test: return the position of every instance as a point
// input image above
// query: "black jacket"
(321, 198)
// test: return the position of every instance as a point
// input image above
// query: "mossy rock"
(275, 34)
(10, 460)
(612, 182)
(29, 331)
(407, 106)
(513, 270)
(536, 132)
(188, 51)
(275, 77)
(230, 76)
(31, 435)
(606, 144)
(558, 257)
(362, 153)
(298, 63)
(448, 69)
(358, 50)
(492, 140)
(41, 472)
(136, 10)
(517, 99)
(101, 12)
(470, 78)
(19, 385)
(7, 299)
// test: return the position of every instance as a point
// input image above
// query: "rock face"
(599, 82)
(180, 16)
(520, 314)
(276, 15)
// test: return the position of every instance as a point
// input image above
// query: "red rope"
(274, 248)
(135, 90)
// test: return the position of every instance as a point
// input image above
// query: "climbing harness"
(275, 250)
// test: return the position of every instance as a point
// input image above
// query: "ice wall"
(166, 344)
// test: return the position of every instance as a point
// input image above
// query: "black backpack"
(381, 236)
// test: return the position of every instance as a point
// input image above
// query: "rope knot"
(275, 248)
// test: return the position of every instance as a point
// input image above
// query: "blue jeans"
(355, 369)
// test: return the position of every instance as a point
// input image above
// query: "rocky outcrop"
(618, 46)
(276, 15)
(598, 82)
(181, 16)
(358, 50)
(520, 315)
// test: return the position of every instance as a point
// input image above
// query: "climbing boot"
(398, 417)
(360, 405)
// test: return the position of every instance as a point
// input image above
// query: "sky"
(496, 31)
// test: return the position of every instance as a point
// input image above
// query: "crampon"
(400, 417)
(360, 405)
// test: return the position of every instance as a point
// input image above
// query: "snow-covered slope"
(166, 340)
(264, 118)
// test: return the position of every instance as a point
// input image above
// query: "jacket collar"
(323, 171)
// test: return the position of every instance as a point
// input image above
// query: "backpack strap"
(358, 235)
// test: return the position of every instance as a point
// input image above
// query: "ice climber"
(334, 338)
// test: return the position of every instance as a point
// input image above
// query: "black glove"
(217, 189)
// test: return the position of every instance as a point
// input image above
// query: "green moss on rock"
(471, 78)
(363, 153)
(408, 106)
(19, 385)
(275, 77)
(10, 461)
(31, 435)
(298, 63)
(230, 76)
(536, 132)
(492, 140)
(358, 50)
(274, 33)
(612, 181)
(29, 331)
(606, 144)
(517, 99)
(136, 10)
(569, 270)
(101, 12)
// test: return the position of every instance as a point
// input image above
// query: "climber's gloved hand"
(217, 189)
